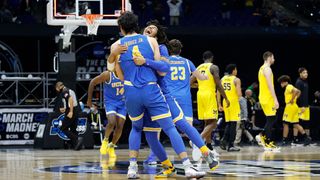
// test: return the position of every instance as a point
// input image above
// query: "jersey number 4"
(178, 73)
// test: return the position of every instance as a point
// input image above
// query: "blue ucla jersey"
(113, 90)
(138, 45)
(178, 79)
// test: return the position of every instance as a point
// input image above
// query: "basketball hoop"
(92, 22)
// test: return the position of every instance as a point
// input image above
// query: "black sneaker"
(223, 145)
(79, 144)
(233, 149)
(307, 141)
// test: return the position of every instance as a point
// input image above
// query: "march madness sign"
(19, 127)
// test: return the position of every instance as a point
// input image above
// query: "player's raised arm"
(103, 77)
(215, 72)
(115, 51)
(119, 71)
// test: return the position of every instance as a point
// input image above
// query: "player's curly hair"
(284, 78)
(161, 34)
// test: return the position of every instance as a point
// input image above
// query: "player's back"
(229, 87)
(209, 84)
(264, 92)
(178, 79)
(113, 90)
(138, 45)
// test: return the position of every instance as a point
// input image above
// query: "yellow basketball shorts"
(231, 113)
(291, 113)
(305, 116)
(268, 108)
(207, 105)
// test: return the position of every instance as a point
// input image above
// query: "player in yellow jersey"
(232, 87)
(268, 100)
(206, 96)
(291, 111)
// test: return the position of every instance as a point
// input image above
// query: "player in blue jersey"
(177, 114)
(178, 80)
(143, 93)
(114, 106)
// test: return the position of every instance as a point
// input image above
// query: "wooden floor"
(251, 163)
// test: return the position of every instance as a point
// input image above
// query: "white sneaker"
(192, 172)
(216, 154)
(133, 172)
(196, 153)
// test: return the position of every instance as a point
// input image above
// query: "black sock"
(209, 146)
(295, 139)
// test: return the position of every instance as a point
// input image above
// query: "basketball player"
(303, 100)
(142, 92)
(268, 100)
(291, 111)
(232, 87)
(206, 96)
(114, 107)
(173, 87)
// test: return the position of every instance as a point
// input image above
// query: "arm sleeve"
(163, 51)
(243, 107)
(161, 66)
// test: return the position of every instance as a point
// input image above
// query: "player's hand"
(291, 101)
(303, 109)
(119, 49)
(228, 102)
(276, 104)
(70, 114)
(205, 77)
(139, 60)
(220, 108)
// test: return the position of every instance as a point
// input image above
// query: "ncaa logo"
(57, 123)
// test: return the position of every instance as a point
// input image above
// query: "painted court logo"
(242, 168)
(57, 123)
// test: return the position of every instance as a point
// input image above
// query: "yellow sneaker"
(272, 147)
(111, 162)
(261, 139)
(104, 147)
(167, 172)
(111, 151)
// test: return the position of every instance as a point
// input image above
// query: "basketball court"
(251, 162)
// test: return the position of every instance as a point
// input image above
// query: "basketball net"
(93, 22)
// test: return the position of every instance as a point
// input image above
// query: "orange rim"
(91, 17)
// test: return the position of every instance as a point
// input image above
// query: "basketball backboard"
(69, 12)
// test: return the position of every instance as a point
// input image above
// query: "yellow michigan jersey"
(291, 111)
(231, 113)
(206, 96)
(265, 98)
